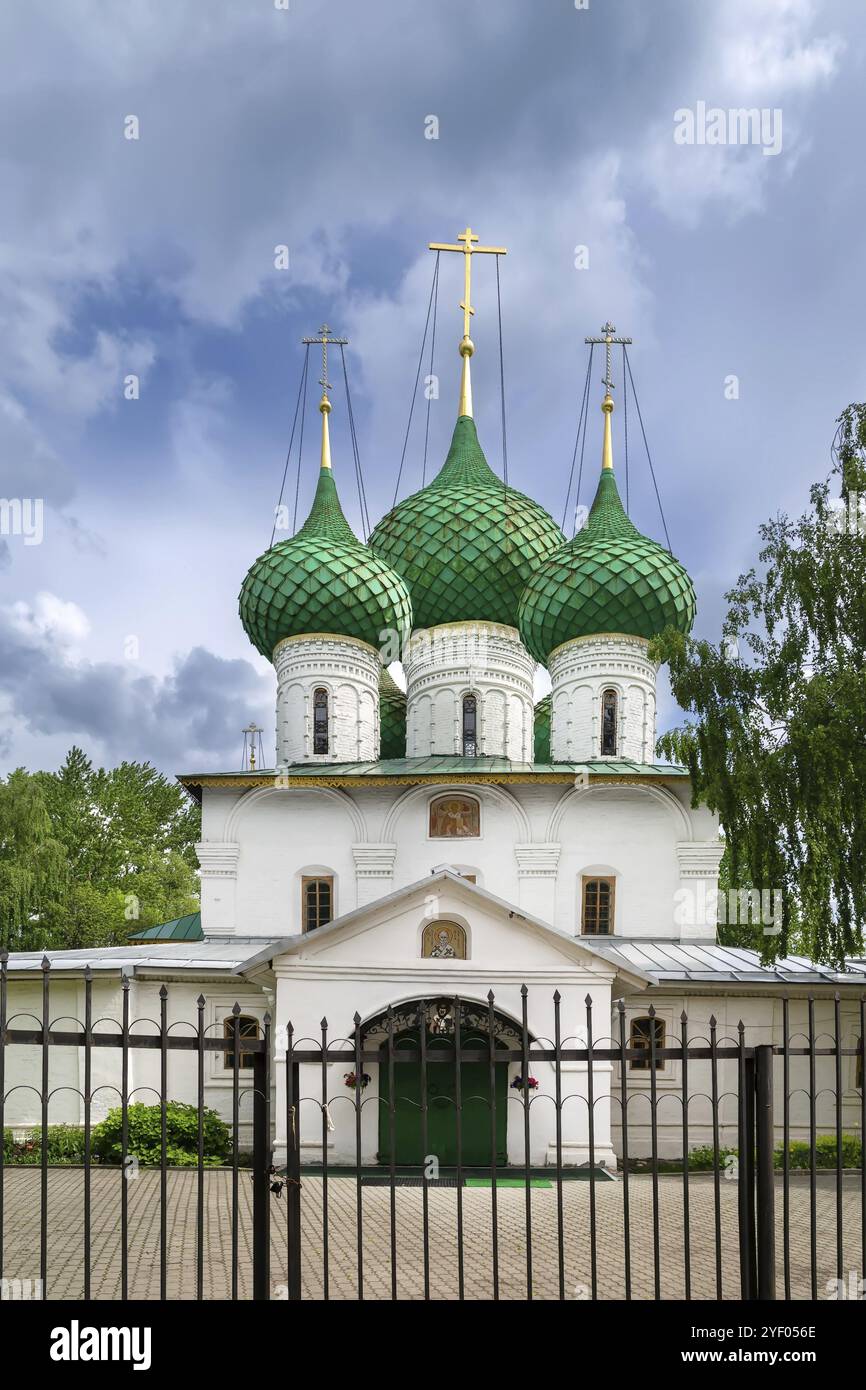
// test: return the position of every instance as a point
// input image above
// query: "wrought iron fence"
(754, 1225)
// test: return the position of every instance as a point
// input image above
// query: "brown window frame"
(245, 1059)
(305, 916)
(660, 1028)
(586, 880)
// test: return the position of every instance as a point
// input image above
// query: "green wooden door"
(441, 1106)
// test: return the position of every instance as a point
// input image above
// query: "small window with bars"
(609, 724)
(641, 1036)
(470, 726)
(598, 903)
(317, 902)
(320, 721)
(248, 1027)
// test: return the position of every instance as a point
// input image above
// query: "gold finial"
(608, 340)
(324, 337)
(467, 347)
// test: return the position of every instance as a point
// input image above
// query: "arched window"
(470, 726)
(454, 816)
(443, 941)
(320, 721)
(248, 1027)
(598, 903)
(608, 723)
(317, 902)
(640, 1036)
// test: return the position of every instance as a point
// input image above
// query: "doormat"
(376, 1181)
(508, 1182)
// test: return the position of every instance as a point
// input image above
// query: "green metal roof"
(542, 730)
(392, 717)
(186, 928)
(322, 580)
(609, 578)
(432, 770)
(466, 544)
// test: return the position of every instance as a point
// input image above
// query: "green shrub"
(703, 1160)
(799, 1152)
(181, 1136)
(65, 1145)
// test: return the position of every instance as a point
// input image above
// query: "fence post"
(746, 1173)
(764, 1145)
(262, 1170)
(293, 1171)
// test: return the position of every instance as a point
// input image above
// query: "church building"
(408, 854)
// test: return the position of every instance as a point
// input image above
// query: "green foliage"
(799, 1152)
(181, 1136)
(65, 1145)
(87, 853)
(33, 867)
(703, 1160)
(778, 743)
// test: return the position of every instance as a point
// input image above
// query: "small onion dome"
(323, 580)
(542, 730)
(392, 717)
(466, 545)
(609, 578)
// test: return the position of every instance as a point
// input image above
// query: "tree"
(88, 853)
(778, 743)
(33, 867)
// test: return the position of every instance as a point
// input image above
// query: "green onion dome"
(609, 578)
(466, 545)
(542, 730)
(392, 717)
(323, 580)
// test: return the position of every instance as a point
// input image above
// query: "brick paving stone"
(66, 1237)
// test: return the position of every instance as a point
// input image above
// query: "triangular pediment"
(390, 931)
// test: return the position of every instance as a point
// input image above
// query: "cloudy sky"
(261, 126)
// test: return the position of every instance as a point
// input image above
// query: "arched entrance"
(483, 1099)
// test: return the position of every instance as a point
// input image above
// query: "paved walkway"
(66, 1229)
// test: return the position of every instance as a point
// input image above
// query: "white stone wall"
(536, 842)
(349, 671)
(24, 1064)
(487, 660)
(763, 1023)
(580, 672)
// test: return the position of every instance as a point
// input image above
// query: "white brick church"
(456, 839)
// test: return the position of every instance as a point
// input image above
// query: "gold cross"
(467, 237)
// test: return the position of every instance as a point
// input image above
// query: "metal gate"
(775, 1218)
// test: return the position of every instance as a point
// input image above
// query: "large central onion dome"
(608, 579)
(466, 545)
(323, 580)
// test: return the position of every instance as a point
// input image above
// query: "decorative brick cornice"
(374, 859)
(699, 858)
(218, 858)
(537, 861)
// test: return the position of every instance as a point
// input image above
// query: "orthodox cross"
(252, 739)
(609, 331)
(469, 249)
(324, 337)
